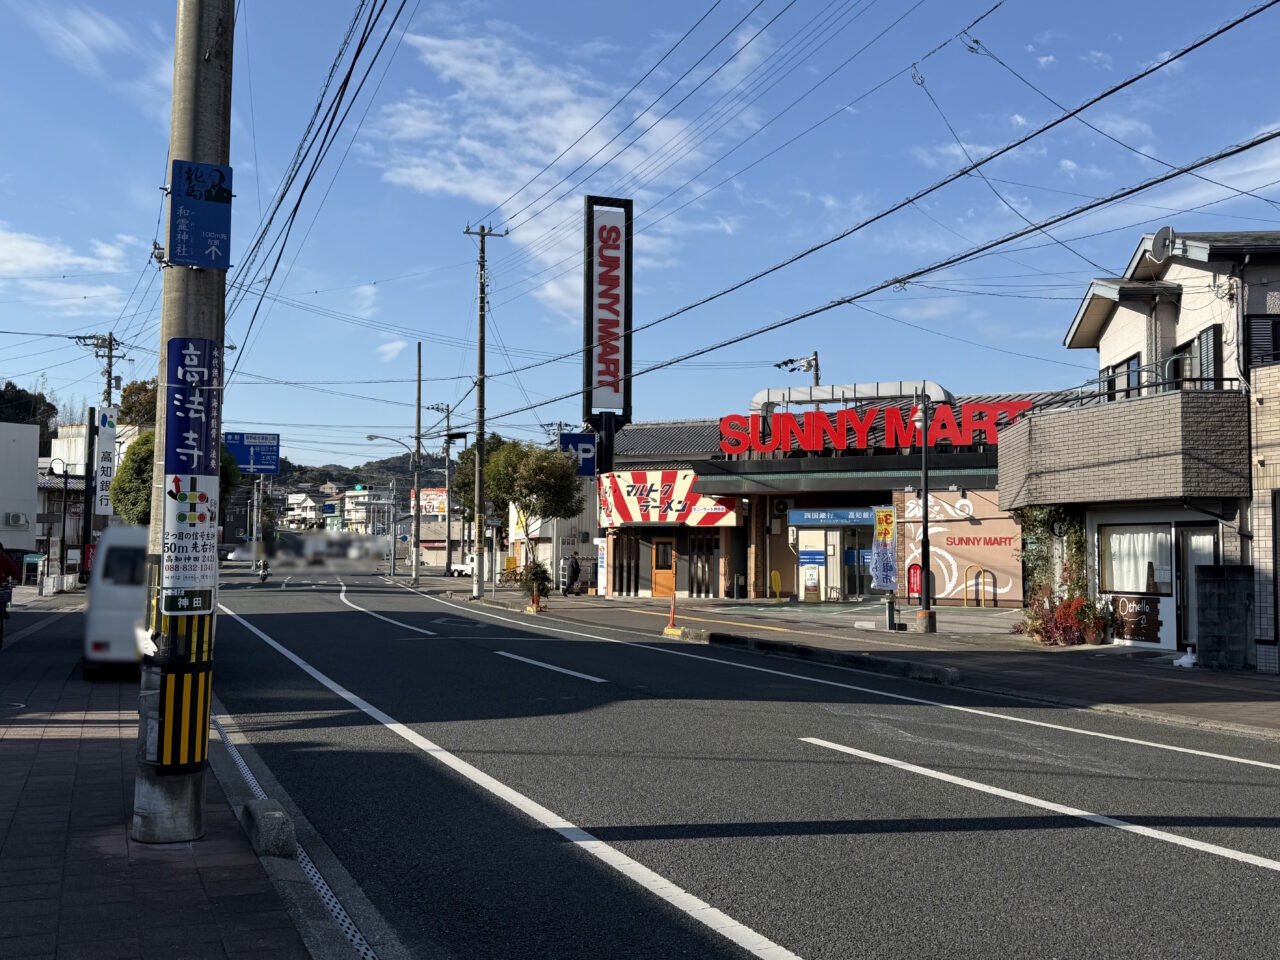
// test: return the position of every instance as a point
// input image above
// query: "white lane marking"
(398, 623)
(548, 666)
(1126, 826)
(754, 943)
(285, 582)
(1228, 758)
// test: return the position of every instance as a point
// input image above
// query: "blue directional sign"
(254, 452)
(329, 509)
(582, 446)
(199, 215)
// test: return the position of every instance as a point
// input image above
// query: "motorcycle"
(263, 571)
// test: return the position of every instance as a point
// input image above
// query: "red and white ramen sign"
(661, 496)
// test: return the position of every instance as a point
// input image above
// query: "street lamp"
(417, 508)
(925, 617)
(62, 548)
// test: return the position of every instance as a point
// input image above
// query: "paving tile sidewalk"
(73, 884)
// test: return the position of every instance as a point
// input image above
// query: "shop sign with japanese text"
(193, 426)
(105, 469)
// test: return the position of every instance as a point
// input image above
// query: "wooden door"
(664, 568)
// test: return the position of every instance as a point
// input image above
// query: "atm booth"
(833, 552)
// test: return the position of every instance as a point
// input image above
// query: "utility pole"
(925, 617)
(416, 499)
(477, 574)
(177, 672)
(104, 348)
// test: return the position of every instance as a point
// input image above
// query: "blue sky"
(480, 96)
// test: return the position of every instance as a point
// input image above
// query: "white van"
(116, 597)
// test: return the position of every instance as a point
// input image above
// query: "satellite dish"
(1162, 244)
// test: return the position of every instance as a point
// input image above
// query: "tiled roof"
(1247, 238)
(668, 437)
(55, 482)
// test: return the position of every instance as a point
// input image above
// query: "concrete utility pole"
(173, 728)
(104, 348)
(448, 486)
(925, 617)
(477, 574)
(416, 499)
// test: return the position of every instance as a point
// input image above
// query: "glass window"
(1132, 377)
(662, 554)
(125, 566)
(1136, 558)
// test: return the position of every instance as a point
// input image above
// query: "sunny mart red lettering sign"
(845, 429)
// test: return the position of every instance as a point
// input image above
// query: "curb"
(908, 669)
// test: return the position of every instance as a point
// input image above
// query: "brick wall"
(1169, 446)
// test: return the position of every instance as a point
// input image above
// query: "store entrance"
(857, 562)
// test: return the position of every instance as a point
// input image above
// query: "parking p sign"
(582, 446)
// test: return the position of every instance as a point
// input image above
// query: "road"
(501, 789)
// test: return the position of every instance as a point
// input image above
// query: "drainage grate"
(331, 901)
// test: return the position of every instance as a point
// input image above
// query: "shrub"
(535, 573)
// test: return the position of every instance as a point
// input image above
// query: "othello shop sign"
(846, 429)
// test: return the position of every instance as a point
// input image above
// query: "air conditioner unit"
(15, 519)
(781, 505)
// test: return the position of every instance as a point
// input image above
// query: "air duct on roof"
(764, 401)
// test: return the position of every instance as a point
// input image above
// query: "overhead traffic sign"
(199, 215)
(254, 452)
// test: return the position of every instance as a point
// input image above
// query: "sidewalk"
(72, 882)
(978, 653)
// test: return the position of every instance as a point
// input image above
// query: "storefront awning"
(812, 481)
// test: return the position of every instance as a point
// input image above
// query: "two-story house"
(1173, 453)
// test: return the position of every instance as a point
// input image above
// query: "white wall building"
(19, 502)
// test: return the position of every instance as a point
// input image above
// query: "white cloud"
(1045, 62)
(496, 111)
(1069, 167)
(364, 300)
(1018, 120)
(1123, 127)
(390, 350)
(28, 254)
(949, 154)
(1097, 58)
(78, 35)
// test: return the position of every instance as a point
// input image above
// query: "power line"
(903, 279)
(617, 103)
(949, 178)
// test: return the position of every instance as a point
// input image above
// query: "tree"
(464, 477)
(131, 488)
(29, 406)
(138, 402)
(542, 484)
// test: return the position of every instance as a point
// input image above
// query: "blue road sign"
(582, 446)
(199, 215)
(254, 452)
(329, 509)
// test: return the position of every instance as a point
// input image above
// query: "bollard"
(890, 613)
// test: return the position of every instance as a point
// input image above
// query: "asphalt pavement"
(501, 787)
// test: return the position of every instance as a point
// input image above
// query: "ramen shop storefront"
(664, 540)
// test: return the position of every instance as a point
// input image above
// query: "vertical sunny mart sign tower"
(606, 326)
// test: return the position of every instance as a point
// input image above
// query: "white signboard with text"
(105, 469)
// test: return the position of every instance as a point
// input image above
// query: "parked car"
(117, 587)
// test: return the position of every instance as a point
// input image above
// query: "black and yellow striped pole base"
(173, 735)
